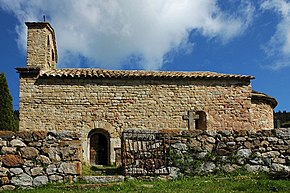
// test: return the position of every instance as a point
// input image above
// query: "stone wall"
(31, 159)
(263, 115)
(199, 152)
(208, 151)
(76, 103)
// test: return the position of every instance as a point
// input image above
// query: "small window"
(52, 55)
(48, 41)
(200, 123)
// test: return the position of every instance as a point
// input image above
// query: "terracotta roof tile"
(101, 73)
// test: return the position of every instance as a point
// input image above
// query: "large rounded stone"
(40, 180)
(22, 180)
(43, 159)
(16, 171)
(7, 187)
(11, 160)
(29, 152)
(8, 150)
(17, 143)
(36, 171)
(244, 153)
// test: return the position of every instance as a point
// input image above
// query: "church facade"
(100, 104)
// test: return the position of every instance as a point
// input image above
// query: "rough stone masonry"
(34, 158)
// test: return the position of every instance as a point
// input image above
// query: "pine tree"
(7, 121)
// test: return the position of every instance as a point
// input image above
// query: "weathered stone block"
(3, 171)
(22, 180)
(17, 143)
(25, 136)
(210, 140)
(5, 180)
(39, 135)
(51, 169)
(36, 171)
(3, 143)
(7, 187)
(29, 152)
(40, 181)
(8, 150)
(11, 160)
(43, 159)
(70, 168)
(244, 153)
(6, 135)
(16, 171)
(56, 178)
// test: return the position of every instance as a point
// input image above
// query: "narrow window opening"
(48, 41)
(200, 123)
(52, 55)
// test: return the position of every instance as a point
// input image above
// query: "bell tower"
(41, 46)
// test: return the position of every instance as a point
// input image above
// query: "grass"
(88, 170)
(234, 183)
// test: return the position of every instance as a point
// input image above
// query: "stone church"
(102, 103)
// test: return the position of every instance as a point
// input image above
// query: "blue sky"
(227, 36)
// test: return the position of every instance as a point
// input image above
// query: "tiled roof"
(262, 96)
(101, 73)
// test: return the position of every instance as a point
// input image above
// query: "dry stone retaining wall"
(30, 159)
(201, 152)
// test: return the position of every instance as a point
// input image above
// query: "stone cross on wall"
(191, 117)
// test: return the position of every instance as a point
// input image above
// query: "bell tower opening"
(99, 147)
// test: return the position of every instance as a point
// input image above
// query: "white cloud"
(112, 33)
(278, 46)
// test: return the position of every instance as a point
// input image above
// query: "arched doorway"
(99, 148)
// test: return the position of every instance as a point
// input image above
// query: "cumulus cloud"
(278, 47)
(114, 34)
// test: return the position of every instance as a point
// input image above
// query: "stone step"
(102, 179)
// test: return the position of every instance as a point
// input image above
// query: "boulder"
(8, 150)
(16, 171)
(22, 180)
(207, 167)
(7, 135)
(70, 168)
(51, 169)
(40, 181)
(43, 159)
(3, 143)
(17, 143)
(36, 171)
(210, 140)
(280, 168)
(25, 135)
(56, 178)
(38, 135)
(252, 168)
(180, 146)
(3, 171)
(11, 160)
(29, 152)
(244, 153)
(7, 187)
(5, 180)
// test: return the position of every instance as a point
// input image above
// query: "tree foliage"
(7, 121)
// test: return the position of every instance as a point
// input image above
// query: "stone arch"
(99, 147)
(106, 129)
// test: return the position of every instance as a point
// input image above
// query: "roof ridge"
(98, 72)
